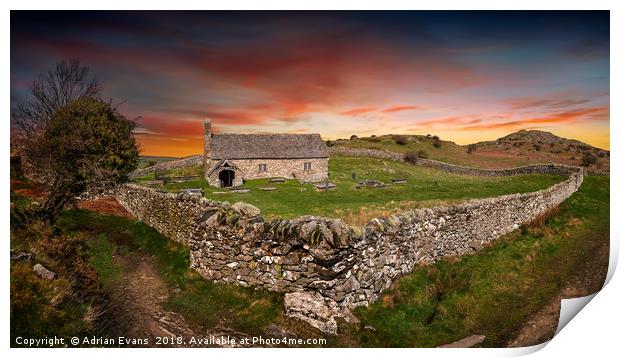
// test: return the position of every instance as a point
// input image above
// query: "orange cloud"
(357, 111)
(594, 113)
(550, 102)
(170, 126)
(451, 121)
(400, 108)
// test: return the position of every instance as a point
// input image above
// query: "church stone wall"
(285, 168)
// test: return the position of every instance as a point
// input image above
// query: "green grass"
(33, 315)
(198, 300)
(492, 292)
(101, 251)
(448, 152)
(425, 187)
(145, 161)
(185, 171)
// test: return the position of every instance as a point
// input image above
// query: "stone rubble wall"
(349, 266)
(181, 163)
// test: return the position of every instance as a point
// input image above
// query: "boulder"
(21, 256)
(246, 209)
(316, 310)
(466, 342)
(273, 330)
(341, 232)
(43, 272)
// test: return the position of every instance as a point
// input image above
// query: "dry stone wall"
(181, 163)
(346, 266)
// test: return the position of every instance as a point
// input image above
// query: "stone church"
(230, 159)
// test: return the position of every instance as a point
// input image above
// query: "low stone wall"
(557, 169)
(342, 265)
(181, 163)
(363, 152)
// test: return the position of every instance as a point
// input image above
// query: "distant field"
(147, 161)
(425, 187)
(517, 149)
(448, 152)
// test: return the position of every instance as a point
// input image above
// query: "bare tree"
(66, 82)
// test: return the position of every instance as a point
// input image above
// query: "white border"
(593, 331)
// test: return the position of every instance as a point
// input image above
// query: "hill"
(516, 149)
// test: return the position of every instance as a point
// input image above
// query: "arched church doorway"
(226, 177)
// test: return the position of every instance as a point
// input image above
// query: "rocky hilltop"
(520, 148)
(546, 146)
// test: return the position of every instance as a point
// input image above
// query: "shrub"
(471, 148)
(353, 137)
(85, 143)
(583, 148)
(436, 142)
(329, 143)
(601, 154)
(401, 139)
(374, 139)
(411, 157)
(422, 154)
(588, 159)
(537, 147)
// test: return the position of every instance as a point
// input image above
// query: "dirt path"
(588, 280)
(142, 294)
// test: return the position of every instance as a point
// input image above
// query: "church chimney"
(208, 136)
(208, 147)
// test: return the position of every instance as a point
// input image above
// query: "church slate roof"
(267, 146)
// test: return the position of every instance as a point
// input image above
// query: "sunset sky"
(465, 76)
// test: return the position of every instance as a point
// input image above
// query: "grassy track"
(198, 300)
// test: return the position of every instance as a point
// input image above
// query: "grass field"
(493, 292)
(146, 161)
(425, 187)
(448, 152)
(490, 293)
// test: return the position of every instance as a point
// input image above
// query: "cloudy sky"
(465, 76)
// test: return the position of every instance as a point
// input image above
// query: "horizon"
(348, 138)
(466, 76)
